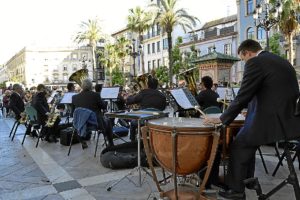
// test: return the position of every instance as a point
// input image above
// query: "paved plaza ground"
(48, 173)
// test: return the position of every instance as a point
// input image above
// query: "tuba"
(190, 80)
(141, 82)
(79, 76)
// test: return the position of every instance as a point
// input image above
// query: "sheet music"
(110, 93)
(49, 100)
(236, 90)
(67, 98)
(181, 98)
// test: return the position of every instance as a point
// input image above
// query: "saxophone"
(52, 117)
(23, 118)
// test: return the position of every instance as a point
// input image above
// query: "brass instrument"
(190, 80)
(79, 76)
(141, 82)
(23, 118)
(52, 117)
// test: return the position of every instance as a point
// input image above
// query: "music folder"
(110, 92)
(67, 98)
(184, 98)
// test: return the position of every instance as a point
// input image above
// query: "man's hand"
(209, 121)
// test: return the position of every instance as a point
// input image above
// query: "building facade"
(219, 35)
(53, 66)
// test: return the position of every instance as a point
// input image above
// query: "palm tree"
(168, 17)
(288, 23)
(121, 47)
(139, 21)
(91, 33)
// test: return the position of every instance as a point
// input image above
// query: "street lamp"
(266, 16)
(131, 50)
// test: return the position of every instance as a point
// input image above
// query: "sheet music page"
(67, 98)
(221, 92)
(49, 100)
(181, 98)
(110, 93)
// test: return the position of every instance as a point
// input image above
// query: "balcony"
(151, 35)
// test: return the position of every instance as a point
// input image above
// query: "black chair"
(74, 133)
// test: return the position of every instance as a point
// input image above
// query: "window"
(158, 3)
(153, 31)
(227, 49)
(149, 65)
(249, 7)
(210, 49)
(165, 43)
(158, 29)
(158, 46)
(148, 34)
(149, 50)
(153, 64)
(153, 47)
(74, 66)
(65, 67)
(261, 33)
(158, 62)
(250, 33)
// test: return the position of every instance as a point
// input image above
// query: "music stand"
(139, 116)
(67, 99)
(110, 93)
(184, 98)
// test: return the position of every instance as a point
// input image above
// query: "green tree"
(117, 77)
(139, 21)
(288, 23)
(121, 47)
(177, 56)
(90, 32)
(162, 74)
(168, 17)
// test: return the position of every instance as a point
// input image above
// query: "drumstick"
(200, 111)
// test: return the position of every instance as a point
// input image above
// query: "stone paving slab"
(48, 173)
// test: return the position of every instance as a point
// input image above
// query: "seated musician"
(207, 97)
(270, 115)
(39, 102)
(146, 98)
(92, 101)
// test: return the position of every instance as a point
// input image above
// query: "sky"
(54, 23)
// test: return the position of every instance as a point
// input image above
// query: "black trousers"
(241, 163)
(105, 124)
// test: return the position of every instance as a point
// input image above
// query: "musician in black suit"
(270, 89)
(147, 98)
(207, 97)
(16, 103)
(92, 101)
(39, 102)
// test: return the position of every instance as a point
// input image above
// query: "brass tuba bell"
(79, 76)
(141, 82)
(190, 80)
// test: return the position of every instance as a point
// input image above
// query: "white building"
(32, 66)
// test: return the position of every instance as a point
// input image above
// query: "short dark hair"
(98, 87)
(70, 86)
(249, 45)
(40, 87)
(152, 82)
(207, 82)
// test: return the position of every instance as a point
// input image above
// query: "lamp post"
(266, 16)
(131, 50)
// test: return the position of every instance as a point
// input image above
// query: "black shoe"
(220, 185)
(84, 145)
(251, 186)
(231, 194)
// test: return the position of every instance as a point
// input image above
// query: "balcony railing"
(151, 35)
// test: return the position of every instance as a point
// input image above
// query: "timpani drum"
(181, 146)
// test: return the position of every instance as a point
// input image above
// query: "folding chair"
(98, 131)
(32, 121)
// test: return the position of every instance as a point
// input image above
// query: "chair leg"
(96, 148)
(11, 131)
(25, 134)
(71, 142)
(279, 163)
(38, 139)
(14, 134)
(263, 160)
(277, 152)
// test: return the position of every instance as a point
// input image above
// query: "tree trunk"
(169, 33)
(94, 64)
(141, 53)
(291, 49)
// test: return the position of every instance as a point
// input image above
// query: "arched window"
(250, 33)
(261, 33)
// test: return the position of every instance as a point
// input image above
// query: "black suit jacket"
(207, 98)
(90, 100)
(16, 104)
(270, 89)
(39, 102)
(148, 98)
